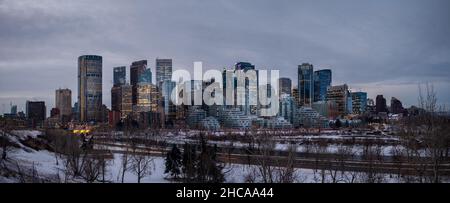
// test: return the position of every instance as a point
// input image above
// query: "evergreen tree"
(208, 169)
(173, 162)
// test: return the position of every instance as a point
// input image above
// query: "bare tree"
(320, 149)
(265, 150)
(141, 165)
(371, 155)
(428, 136)
(287, 173)
(124, 164)
(5, 144)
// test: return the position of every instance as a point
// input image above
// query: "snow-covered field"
(46, 166)
(50, 168)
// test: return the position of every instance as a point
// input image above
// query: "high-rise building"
(163, 70)
(381, 104)
(36, 112)
(13, 110)
(54, 112)
(371, 107)
(249, 91)
(339, 95)
(287, 107)
(90, 88)
(119, 75)
(285, 86)
(349, 103)
(397, 106)
(322, 80)
(121, 100)
(63, 102)
(167, 86)
(359, 101)
(244, 66)
(137, 68)
(145, 77)
(147, 98)
(296, 96)
(306, 84)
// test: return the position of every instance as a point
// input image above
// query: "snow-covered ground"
(50, 167)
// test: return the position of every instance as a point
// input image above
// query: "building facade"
(322, 80)
(381, 104)
(285, 86)
(396, 106)
(339, 95)
(359, 101)
(137, 68)
(119, 75)
(36, 112)
(287, 107)
(90, 88)
(163, 70)
(63, 102)
(121, 100)
(167, 86)
(306, 84)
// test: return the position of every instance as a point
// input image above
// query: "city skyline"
(44, 58)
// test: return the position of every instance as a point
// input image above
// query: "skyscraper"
(306, 84)
(121, 100)
(145, 77)
(322, 80)
(163, 70)
(285, 86)
(147, 94)
(359, 101)
(137, 68)
(90, 88)
(63, 102)
(250, 91)
(296, 96)
(244, 66)
(166, 88)
(13, 110)
(36, 112)
(119, 75)
(339, 95)
(381, 104)
(397, 106)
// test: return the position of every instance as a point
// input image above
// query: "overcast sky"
(382, 47)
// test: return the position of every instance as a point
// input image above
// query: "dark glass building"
(322, 80)
(359, 102)
(285, 86)
(397, 106)
(250, 91)
(244, 66)
(163, 70)
(36, 112)
(306, 84)
(381, 104)
(119, 75)
(145, 77)
(137, 68)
